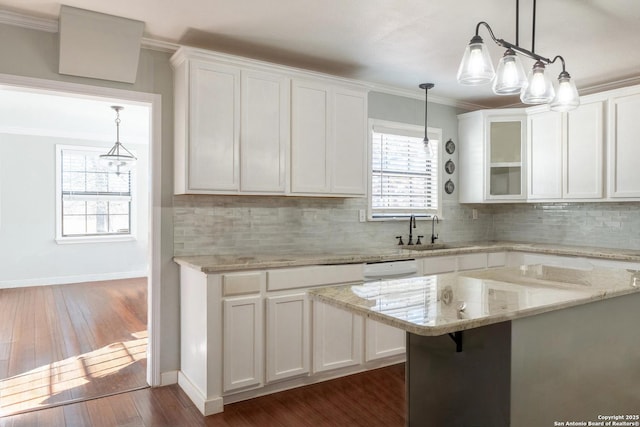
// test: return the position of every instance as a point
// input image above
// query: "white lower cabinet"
(448, 264)
(382, 340)
(287, 336)
(337, 338)
(242, 340)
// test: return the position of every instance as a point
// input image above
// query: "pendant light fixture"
(427, 145)
(476, 69)
(118, 158)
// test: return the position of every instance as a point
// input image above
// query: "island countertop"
(440, 304)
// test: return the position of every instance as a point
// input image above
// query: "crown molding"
(419, 95)
(25, 21)
(159, 45)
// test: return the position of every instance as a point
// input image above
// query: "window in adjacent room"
(404, 180)
(94, 203)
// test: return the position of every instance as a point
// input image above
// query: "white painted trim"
(168, 378)
(30, 22)
(205, 406)
(159, 45)
(62, 280)
(155, 204)
(51, 25)
(155, 244)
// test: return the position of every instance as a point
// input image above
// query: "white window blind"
(94, 200)
(404, 179)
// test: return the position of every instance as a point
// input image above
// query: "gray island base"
(536, 345)
(578, 364)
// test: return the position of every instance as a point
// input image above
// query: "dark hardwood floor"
(374, 398)
(66, 342)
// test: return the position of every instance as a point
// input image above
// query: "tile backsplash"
(241, 224)
(611, 225)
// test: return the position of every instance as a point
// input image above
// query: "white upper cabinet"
(328, 139)
(583, 152)
(566, 153)
(350, 141)
(233, 126)
(545, 155)
(207, 126)
(310, 151)
(264, 137)
(624, 145)
(492, 166)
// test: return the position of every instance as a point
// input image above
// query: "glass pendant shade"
(428, 149)
(539, 89)
(476, 67)
(567, 97)
(510, 76)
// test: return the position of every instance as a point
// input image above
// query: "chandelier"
(536, 88)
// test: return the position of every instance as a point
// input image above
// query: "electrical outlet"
(474, 213)
(362, 215)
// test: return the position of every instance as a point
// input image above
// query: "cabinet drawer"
(496, 259)
(437, 265)
(472, 262)
(304, 277)
(241, 283)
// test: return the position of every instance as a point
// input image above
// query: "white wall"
(28, 250)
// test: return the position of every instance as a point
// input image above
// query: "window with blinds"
(404, 179)
(93, 200)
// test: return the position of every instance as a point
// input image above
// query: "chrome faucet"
(412, 225)
(434, 221)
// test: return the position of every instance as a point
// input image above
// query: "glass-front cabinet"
(492, 156)
(505, 163)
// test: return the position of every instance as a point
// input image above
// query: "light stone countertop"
(210, 264)
(440, 304)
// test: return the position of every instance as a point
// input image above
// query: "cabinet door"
(583, 152)
(264, 140)
(309, 137)
(624, 146)
(287, 336)
(214, 127)
(505, 171)
(349, 142)
(382, 340)
(242, 342)
(337, 338)
(545, 155)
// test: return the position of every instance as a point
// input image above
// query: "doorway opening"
(77, 315)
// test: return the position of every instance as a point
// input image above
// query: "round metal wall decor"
(449, 167)
(450, 147)
(449, 187)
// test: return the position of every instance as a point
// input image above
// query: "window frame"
(94, 238)
(408, 129)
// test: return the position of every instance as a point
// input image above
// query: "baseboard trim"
(63, 280)
(168, 378)
(205, 406)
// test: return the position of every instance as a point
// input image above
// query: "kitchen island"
(517, 346)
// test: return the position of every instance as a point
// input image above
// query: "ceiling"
(52, 114)
(396, 43)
